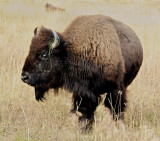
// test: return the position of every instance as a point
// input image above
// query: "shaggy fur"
(96, 55)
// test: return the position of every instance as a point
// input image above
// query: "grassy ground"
(22, 118)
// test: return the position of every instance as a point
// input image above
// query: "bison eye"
(44, 57)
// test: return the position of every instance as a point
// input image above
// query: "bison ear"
(36, 31)
(56, 40)
(65, 44)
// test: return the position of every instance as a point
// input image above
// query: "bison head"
(42, 68)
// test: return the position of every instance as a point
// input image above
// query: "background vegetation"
(23, 118)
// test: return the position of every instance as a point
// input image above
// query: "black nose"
(25, 77)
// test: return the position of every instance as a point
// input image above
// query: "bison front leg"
(116, 102)
(86, 107)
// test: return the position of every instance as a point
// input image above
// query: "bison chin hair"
(39, 93)
(41, 89)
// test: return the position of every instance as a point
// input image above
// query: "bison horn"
(36, 31)
(56, 40)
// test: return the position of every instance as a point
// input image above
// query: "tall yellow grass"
(22, 118)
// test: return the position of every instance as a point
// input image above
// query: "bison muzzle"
(94, 55)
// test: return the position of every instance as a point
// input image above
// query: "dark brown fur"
(96, 55)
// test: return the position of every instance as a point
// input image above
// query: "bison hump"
(95, 39)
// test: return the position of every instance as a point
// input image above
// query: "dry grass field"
(23, 118)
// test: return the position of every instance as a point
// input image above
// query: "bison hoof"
(85, 125)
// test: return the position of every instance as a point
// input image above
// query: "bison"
(96, 54)
(50, 7)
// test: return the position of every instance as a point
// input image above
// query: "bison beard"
(39, 93)
(94, 55)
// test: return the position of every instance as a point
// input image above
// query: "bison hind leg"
(116, 101)
(131, 74)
